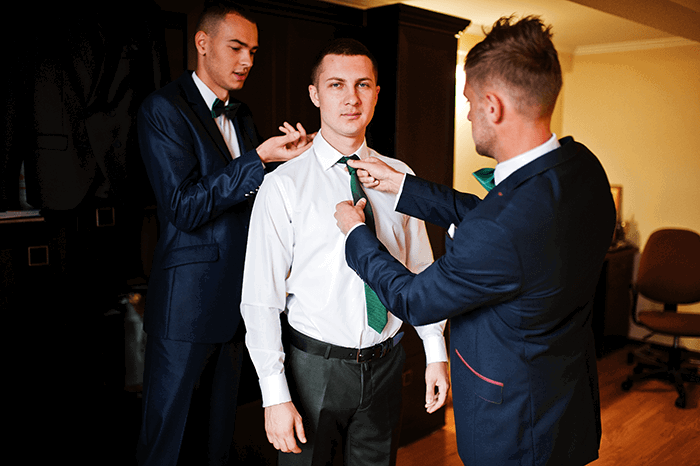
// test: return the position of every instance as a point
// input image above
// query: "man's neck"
(221, 94)
(517, 141)
(345, 145)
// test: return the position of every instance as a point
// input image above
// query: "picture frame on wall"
(616, 191)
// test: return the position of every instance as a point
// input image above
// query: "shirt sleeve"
(268, 261)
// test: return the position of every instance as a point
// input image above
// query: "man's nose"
(352, 97)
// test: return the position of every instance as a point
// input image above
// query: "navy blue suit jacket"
(204, 200)
(517, 282)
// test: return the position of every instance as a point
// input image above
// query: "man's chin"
(236, 85)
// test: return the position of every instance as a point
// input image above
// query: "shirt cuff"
(398, 195)
(274, 390)
(451, 231)
(435, 349)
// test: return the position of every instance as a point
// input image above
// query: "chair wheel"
(680, 402)
(626, 385)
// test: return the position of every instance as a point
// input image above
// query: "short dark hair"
(520, 55)
(215, 11)
(342, 46)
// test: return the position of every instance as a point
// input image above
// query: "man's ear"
(201, 40)
(313, 95)
(494, 107)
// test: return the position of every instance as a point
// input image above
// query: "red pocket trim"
(485, 379)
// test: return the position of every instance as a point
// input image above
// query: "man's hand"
(375, 174)
(281, 422)
(436, 376)
(282, 148)
(348, 215)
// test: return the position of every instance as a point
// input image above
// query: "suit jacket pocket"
(192, 255)
(485, 388)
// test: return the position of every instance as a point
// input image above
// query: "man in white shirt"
(324, 394)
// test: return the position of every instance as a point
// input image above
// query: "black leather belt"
(319, 348)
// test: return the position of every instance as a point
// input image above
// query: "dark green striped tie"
(376, 312)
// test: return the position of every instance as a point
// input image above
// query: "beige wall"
(639, 112)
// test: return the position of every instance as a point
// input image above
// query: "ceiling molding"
(665, 15)
(633, 45)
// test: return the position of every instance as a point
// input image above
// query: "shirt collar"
(505, 169)
(328, 156)
(207, 94)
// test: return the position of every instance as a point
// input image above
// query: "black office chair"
(669, 273)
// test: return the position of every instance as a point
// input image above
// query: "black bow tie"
(229, 110)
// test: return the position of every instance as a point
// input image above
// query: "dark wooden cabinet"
(32, 262)
(290, 35)
(611, 314)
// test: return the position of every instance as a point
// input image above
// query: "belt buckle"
(361, 358)
(375, 352)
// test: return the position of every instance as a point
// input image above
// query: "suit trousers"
(348, 408)
(189, 401)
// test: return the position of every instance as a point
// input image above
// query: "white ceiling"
(574, 25)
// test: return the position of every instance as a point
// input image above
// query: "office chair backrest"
(669, 268)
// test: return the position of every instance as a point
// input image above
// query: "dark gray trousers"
(350, 409)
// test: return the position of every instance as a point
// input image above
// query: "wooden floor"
(640, 427)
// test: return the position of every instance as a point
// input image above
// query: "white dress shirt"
(228, 131)
(295, 261)
(504, 169)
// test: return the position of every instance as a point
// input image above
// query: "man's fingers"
(366, 179)
(299, 426)
(290, 135)
(365, 164)
(442, 397)
(281, 421)
(286, 128)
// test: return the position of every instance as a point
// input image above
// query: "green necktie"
(485, 177)
(376, 312)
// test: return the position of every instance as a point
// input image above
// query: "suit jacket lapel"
(534, 168)
(197, 104)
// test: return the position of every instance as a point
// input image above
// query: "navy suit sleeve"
(434, 203)
(192, 179)
(481, 269)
